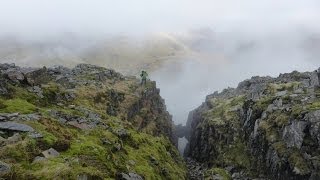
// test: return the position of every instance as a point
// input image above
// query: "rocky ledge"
(266, 128)
(88, 122)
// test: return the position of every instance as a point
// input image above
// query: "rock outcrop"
(265, 128)
(88, 122)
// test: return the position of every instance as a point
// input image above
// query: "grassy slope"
(83, 151)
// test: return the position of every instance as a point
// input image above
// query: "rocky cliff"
(83, 123)
(266, 128)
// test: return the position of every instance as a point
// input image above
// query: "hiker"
(143, 76)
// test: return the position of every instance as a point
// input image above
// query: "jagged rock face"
(265, 127)
(82, 123)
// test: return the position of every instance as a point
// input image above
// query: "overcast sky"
(46, 17)
(277, 28)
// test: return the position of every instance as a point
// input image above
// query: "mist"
(191, 48)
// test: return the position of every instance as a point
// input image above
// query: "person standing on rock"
(143, 76)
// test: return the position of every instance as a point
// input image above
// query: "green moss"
(298, 163)
(297, 111)
(236, 154)
(314, 106)
(281, 119)
(217, 171)
(280, 148)
(17, 105)
(22, 93)
(263, 103)
(223, 111)
(237, 101)
(272, 88)
(270, 131)
(21, 152)
(162, 150)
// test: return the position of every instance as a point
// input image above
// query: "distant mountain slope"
(127, 55)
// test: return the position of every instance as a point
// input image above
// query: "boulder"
(37, 76)
(293, 134)
(15, 75)
(13, 126)
(50, 153)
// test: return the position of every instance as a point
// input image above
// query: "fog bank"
(191, 48)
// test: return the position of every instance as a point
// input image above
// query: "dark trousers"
(143, 81)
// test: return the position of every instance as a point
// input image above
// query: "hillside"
(127, 55)
(266, 128)
(87, 122)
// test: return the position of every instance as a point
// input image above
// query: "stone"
(271, 108)
(13, 126)
(39, 159)
(38, 76)
(3, 87)
(4, 168)
(29, 117)
(50, 153)
(117, 147)
(314, 79)
(217, 177)
(256, 127)
(154, 161)
(37, 90)
(14, 139)
(3, 141)
(105, 141)
(132, 162)
(76, 124)
(69, 96)
(278, 102)
(7, 66)
(8, 116)
(35, 135)
(293, 134)
(314, 119)
(122, 133)
(299, 91)
(129, 176)
(72, 106)
(2, 118)
(282, 93)
(15, 75)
